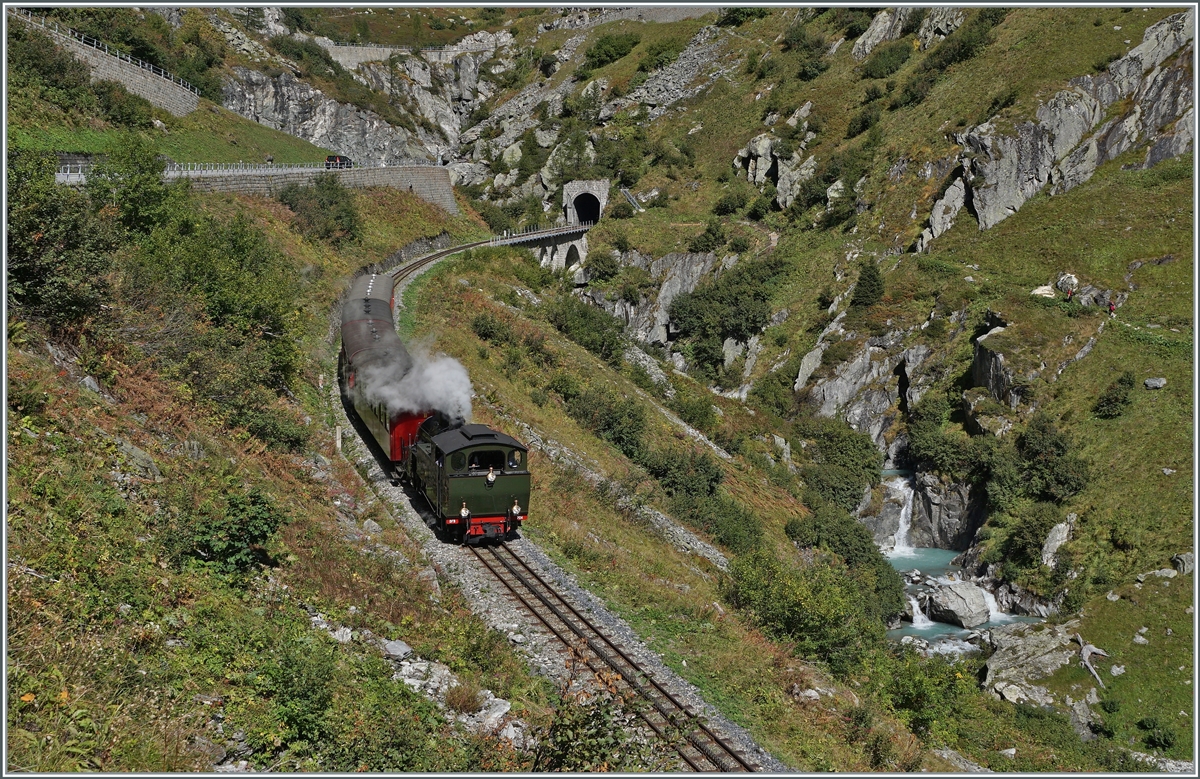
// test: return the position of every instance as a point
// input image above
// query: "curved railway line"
(674, 721)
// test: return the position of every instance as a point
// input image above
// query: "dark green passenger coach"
(475, 478)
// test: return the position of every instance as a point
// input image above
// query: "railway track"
(699, 746)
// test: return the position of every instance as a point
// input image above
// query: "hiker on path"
(1112, 309)
(1070, 294)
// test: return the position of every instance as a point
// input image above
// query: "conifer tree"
(869, 289)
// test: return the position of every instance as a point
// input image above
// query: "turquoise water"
(945, 638)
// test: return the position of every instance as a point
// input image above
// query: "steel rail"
(711, 746)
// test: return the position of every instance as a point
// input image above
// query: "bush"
(816, 605)
(731, 203)
(324, 211)
(691, 473)
(659, 54)
(231, 541)
(616, 419)
(853, 454)
(58, 251)
(759, 208)
(739, 244)
(622, 209)
(589, 327)
(491, 328)
(300, 680)
(1041, 466)
(869, 289)
(1027, 534)
(122, 108)
(736, 17)
(712, 239)
(864, 120)
(609, 48)
(1114, 400)
(887, 59)
(832, 528)
(603, 265)
(729, 522)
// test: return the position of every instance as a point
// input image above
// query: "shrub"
(565, 385)
(609, 48)
(869, 289)
(833, 528)
(603, 265)
(58, 251)
(731, 203)
(491, 328)
(736, 17)
(1041, 466)
(1114, 400)
(622, 209)
(811, 67)
(839, 445)
(231, 540)
(696, 411)
(324, 211)
(691, 473)
(739, 245)
(616, 419)
(659, 54)
(300, 680)
(816, 605)
(1027, 534)
(864, 120)
(759, 208)
(712, 239)
(122, 108)
(589, 327)
(729, 522)
(887, 59)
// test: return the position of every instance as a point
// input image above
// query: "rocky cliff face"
(285, 103)
(1004, 171)
(647, 321)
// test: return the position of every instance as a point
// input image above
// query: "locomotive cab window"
(516, 460)
(458, 461)
(486, 458)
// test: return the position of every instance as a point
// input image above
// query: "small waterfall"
(919, 618)
(994, 612)
(901, 546)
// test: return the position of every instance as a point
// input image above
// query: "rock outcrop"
(693, 71)
(648, 320)
(938, 23)
(887, 25)
(1024, 653)
(1004, 171)
(763, 163)
(944, 212)
(944, 516)
(295, 107)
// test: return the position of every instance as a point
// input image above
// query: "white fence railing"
(76, 173)
(534, 233)
(53, 26)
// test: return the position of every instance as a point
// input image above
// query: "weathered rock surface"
(1024, 653)
(959, 603)
(1004, 171)
(648, 320)
(944, 211)
(696, 68)
(938, 23)
(885, 26)
(944, 516)
(295, 107)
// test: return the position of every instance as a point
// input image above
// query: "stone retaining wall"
(160, 91)
(431, 184)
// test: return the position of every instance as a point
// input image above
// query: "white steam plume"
(435, 382)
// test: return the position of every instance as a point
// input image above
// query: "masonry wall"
(161, 92)
(431, 184)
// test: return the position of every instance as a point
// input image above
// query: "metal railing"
(535, 232)
(77, 173)
(53, 26)
(410, 49)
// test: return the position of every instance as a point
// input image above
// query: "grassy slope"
(95, 685)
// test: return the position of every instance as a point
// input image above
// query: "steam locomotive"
(474, 478)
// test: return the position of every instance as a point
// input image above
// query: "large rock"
(885, 26)
(1025, 653)
(792, 177)
(648, 320)
(959, 603)
(944, 211)
(938, 23)
(944, 516)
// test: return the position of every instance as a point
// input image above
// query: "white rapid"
(901, 546)
(919, 618)
(994, 612)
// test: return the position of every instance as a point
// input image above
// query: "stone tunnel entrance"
(587, 207)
